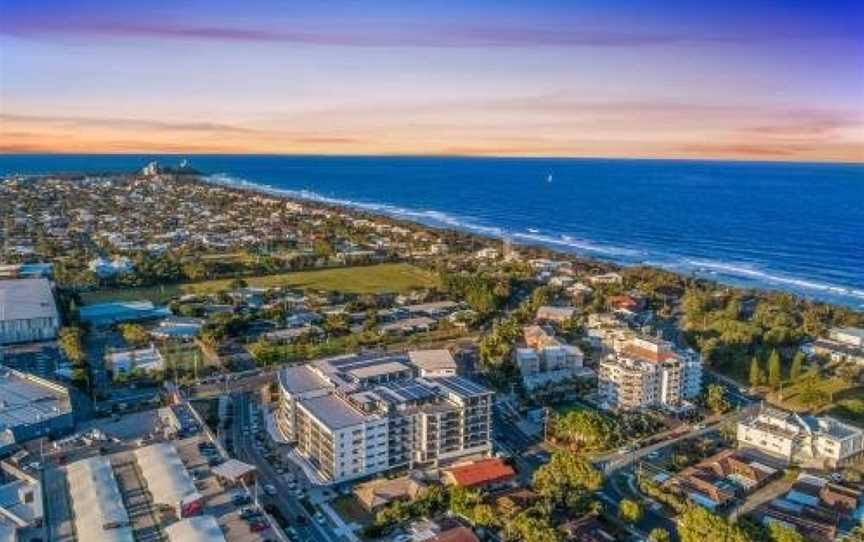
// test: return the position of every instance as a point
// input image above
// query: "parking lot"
(233, 507)
(118, 437)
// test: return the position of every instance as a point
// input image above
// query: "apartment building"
(353, 416)
(545, 362)
(822, 441)
(646, 372)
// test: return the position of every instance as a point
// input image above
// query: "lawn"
(830, 388)
(350, 510)
(851, 410)
(186, 357)
(393, 277)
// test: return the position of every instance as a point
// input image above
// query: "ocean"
(797, 227)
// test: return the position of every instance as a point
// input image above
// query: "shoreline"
(705, 270)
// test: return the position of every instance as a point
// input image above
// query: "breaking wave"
(741, 274)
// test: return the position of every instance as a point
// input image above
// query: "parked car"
(241, 498)
(270, 489)
(248, 513)
(258, 526)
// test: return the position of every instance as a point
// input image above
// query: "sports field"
(391, 277)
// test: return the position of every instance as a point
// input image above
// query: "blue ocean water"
(797, 227)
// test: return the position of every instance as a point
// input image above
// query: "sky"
(753, 80)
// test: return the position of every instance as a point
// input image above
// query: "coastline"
(759, 248)
(707, 271)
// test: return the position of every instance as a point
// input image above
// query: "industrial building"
(353, 416)
(97, 505)
(31, 407)
(27, 311)
(20, 500)
(108, 314)
(168, 480)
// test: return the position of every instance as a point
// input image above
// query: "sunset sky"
(747, 80)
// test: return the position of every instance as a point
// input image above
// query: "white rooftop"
(24, 299)
(96, 502)
(166, 476)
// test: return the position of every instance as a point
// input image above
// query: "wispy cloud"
(407, 34)
(125, 123)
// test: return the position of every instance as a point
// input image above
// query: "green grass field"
(829, 387)
(350, 509)
(850, 410)
(397, 277)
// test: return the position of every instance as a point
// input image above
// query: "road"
(58, 518)
(290, 507)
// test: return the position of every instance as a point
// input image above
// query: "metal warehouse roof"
(23, 299)
(96, 502)
(166, 476)
(195, 529)
(24, 400)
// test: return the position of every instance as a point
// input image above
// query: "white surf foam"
(739, 271)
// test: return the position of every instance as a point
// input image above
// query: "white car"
(270, 489)
(319, 517)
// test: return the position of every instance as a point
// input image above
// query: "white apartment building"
(843, 344)
(811, 441)
(546, 362)
(27, 311)
(644, 372)
(353, 416)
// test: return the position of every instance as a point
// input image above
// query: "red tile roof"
(456, 534)
(648, 355)
(485, 471)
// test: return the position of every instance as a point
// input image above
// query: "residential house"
(556, 315)
(489, 473)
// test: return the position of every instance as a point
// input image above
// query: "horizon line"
(783, 160)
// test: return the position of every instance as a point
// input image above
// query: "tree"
(70, 343)
(567, 479)
(716, 399)
(237, 284)
(780, 533)
(795, 369)
(586, 428)
(774, 369)
(629, 511)
(697, 524)
(529, 526)
(659, 534)
(755, 372)
(134, 334)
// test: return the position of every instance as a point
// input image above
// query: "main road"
(289, 506)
